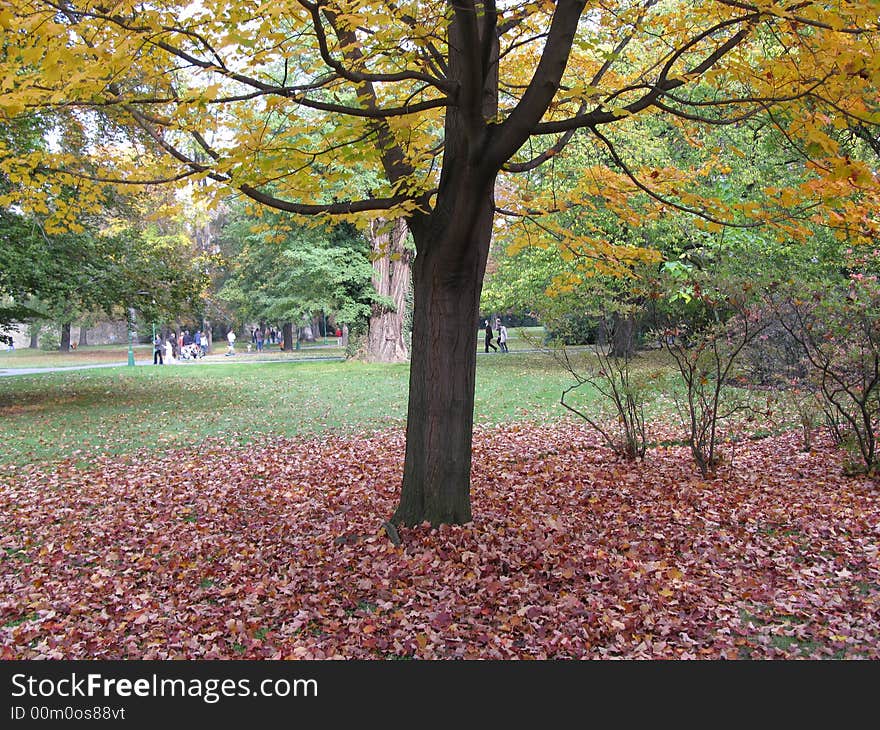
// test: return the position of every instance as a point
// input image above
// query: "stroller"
(191, 352)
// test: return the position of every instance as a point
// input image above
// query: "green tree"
(280, 271)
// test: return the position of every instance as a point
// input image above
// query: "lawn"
(23, 358)
(47, 417)
(143, 354)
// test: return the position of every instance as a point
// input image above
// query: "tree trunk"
(623, 341)
(602, 332)
(35, 333)
(83, 340)
(392, 270)
(65, 337)
(287, 337)
(452, 247)
(436, 479)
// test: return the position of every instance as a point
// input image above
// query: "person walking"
(169, 350)
(489, 337)
(502, 337)
(259, 336)
(157, 351)
(230, 338)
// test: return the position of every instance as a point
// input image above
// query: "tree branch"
(663, 85)
(357, 76)
(789, 15)
(659, 198)
(510, 135)
(565, 138)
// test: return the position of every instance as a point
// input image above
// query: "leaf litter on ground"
(278, 550)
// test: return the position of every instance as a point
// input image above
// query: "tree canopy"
(279, 272)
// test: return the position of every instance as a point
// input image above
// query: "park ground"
(230, 511)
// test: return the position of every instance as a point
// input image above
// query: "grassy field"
(48, 416)
(143, 354)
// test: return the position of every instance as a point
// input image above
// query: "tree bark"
(308, 334)
(436, 479)
(34, 343)
(83, 338)
(65, 337)
(623, 341)
(287, 337)
(452, 247)
(392, 271)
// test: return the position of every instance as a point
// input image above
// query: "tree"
(282, 272)
(18, 276)
(392, 270)
(438, 99)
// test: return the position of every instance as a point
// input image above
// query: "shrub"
(706, 339)
(838, 329)
(621, 418)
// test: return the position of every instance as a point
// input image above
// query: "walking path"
(239, 359)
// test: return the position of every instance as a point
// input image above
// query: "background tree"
(280, 271)
(391, 256)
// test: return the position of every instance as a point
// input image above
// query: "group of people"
(259, 337)
(183, 346)
(502, 336)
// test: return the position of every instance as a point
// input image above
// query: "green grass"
(33, 616)
(23, 358)
(46, 417)
(80, 414)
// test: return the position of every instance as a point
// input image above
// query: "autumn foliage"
(264, 552)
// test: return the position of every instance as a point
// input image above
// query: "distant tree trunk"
(65, 337)
(623, 341)
(287, 336)
(35, 332)
(392, 264)
(344, 337)
(83, 341)
(602, 333)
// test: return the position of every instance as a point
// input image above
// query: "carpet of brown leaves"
(276, 551)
